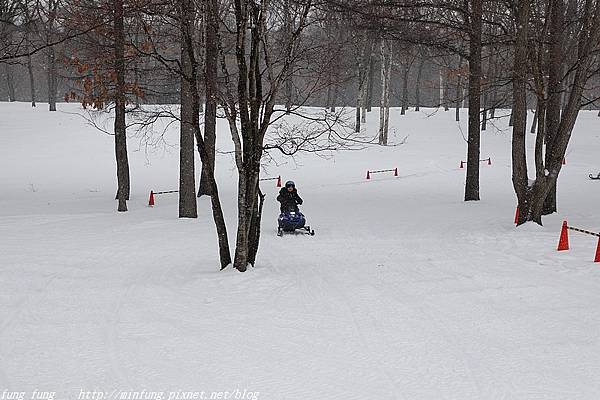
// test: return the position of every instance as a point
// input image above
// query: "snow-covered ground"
(405, 292)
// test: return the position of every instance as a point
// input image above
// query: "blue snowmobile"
(291, 219)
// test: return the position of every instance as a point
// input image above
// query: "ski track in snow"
(405, 292)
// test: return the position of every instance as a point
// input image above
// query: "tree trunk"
(10, 83)
(459, 90)
(405, 73)
(254, 238)
(30, 72)
(535, 120)
(386, 59)
(206, 156)
(519, 160)
(247, 198)
(371, 78)
(555, 87)
(418, 85)
(473, 150)
(441, 99)
(120, 127)
(388, 73)
(361, 84)
(210, 114)
(51, 57)
(366, 75)
(187, 180)
(289, 82)
(486, 95)
(51, 76)
(446, 91)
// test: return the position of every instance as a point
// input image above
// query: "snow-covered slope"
(405, 292)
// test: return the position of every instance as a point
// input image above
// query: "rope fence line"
(488, 160)
(379, 171)
(563, 242)
(273, 178)
(152, 193)
(583, 231)
(167, 191)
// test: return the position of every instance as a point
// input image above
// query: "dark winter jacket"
(289, 200)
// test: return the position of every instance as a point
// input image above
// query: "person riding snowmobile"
(289, 198)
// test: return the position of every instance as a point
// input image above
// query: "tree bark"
(120, 127)
(405, 73)
(446, 92)
(555, 87)
(51, 76)
(289, 81)
(371, 78)
(10, 83)
(459, 90)
(211, 75)
(520, 179)
(361, 85)
(473, 150)
(418, 85)
(535, 120)
(384, 109)
(254, 237)
(30, 72)
(51, 56)
(189, 115)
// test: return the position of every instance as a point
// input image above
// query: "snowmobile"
(292, 220)
(595, 177)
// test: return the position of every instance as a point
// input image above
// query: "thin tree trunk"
(519, 160)
(385, 58)
(120, 127)
(486, 94)
(418, 85)
(459, 90)
(446, 91)
(535, 120)
(473, 150)
(405, 73)
(30, 72)
(210, 83)
(365, 87)
(51, 76)
(388, 73)
(289, 83)
(254, 238)
(10, 83)
(361, 84)
(187, 180)
(555, 86)
(371, 78)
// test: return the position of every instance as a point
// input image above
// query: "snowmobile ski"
(305, 230)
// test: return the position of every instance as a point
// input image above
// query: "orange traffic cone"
(279, 181)
(368, 174)
(597, 259)
(517, 216)
(564, 161)
(490, 161)
(563, 243)
(151, 200)
(462, 164)
(395, 171)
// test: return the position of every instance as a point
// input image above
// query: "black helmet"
(290, 183)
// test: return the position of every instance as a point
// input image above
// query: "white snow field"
(405, 292)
